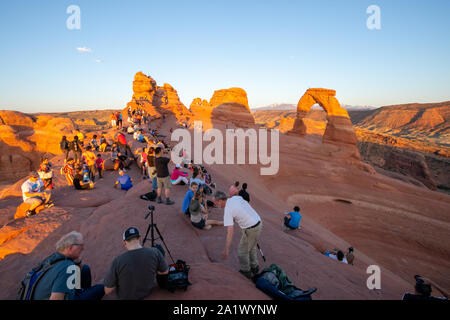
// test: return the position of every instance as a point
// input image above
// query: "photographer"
(132, 274)
(423, 288)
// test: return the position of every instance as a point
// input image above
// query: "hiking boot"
(159, 200)
(255, 270)
(30, 213)
(247, 274)
(168, 201)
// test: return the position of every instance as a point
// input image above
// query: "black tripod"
(151, 227)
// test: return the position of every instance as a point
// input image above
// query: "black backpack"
(178, 276)
(32, 278)
(150, 196)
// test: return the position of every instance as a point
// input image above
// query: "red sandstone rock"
(226, 107)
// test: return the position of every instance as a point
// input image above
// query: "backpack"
(178, 276)
(150, 196)
(28, 284)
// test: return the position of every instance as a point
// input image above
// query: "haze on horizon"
(274, 50)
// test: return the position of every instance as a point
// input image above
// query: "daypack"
(150, 196)
(178, 276)
(274, 282)
(32, 278)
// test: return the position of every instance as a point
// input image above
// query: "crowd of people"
(132, 274)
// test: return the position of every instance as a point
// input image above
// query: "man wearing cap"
(132, 274)
(239, 210)
(33, 194)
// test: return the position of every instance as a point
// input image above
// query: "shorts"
(199, 225)
(32, 200)
(164, 182)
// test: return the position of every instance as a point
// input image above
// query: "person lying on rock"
(132, 274)
(292, 219)
(199, 215)
(79, 181)
(239, 210)
(33, 193)
(125, 181)
(336, 254)
(56, 283)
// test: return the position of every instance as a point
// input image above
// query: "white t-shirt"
(239, 210)
(31, 187)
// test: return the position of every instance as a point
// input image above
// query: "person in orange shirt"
(89, 159)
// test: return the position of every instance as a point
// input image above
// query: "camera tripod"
(151, 228)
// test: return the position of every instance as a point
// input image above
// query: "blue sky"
(274, 50)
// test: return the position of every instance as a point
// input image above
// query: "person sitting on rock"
(188, 198)
(68, 171)
(66, 263)
(292, 219)
(423, 289)
(243, 192)
(199, 215)
(233, 191)
(79, 182)
(126, 183)
(336, 254)
(349, 256)
(46, 173)
(33, 193)
(132, 274)
(103, 144)
(178, 176)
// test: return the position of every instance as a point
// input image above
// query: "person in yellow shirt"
(89, 159)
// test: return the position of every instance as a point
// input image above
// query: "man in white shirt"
(32, 193)
(239, 210)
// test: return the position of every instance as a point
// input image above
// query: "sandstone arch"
(339, 128)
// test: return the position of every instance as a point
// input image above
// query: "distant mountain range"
(291, 106)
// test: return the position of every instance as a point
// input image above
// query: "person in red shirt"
(99, 165)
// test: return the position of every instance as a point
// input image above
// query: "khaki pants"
(247, 250)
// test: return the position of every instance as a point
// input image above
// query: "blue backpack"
(32, 278)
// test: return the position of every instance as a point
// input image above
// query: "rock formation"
(339, 127)
(24, 139)
(226, 107)
(157, 101)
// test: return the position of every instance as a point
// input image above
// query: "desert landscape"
(376, 180)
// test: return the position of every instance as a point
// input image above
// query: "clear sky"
(275, 50)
